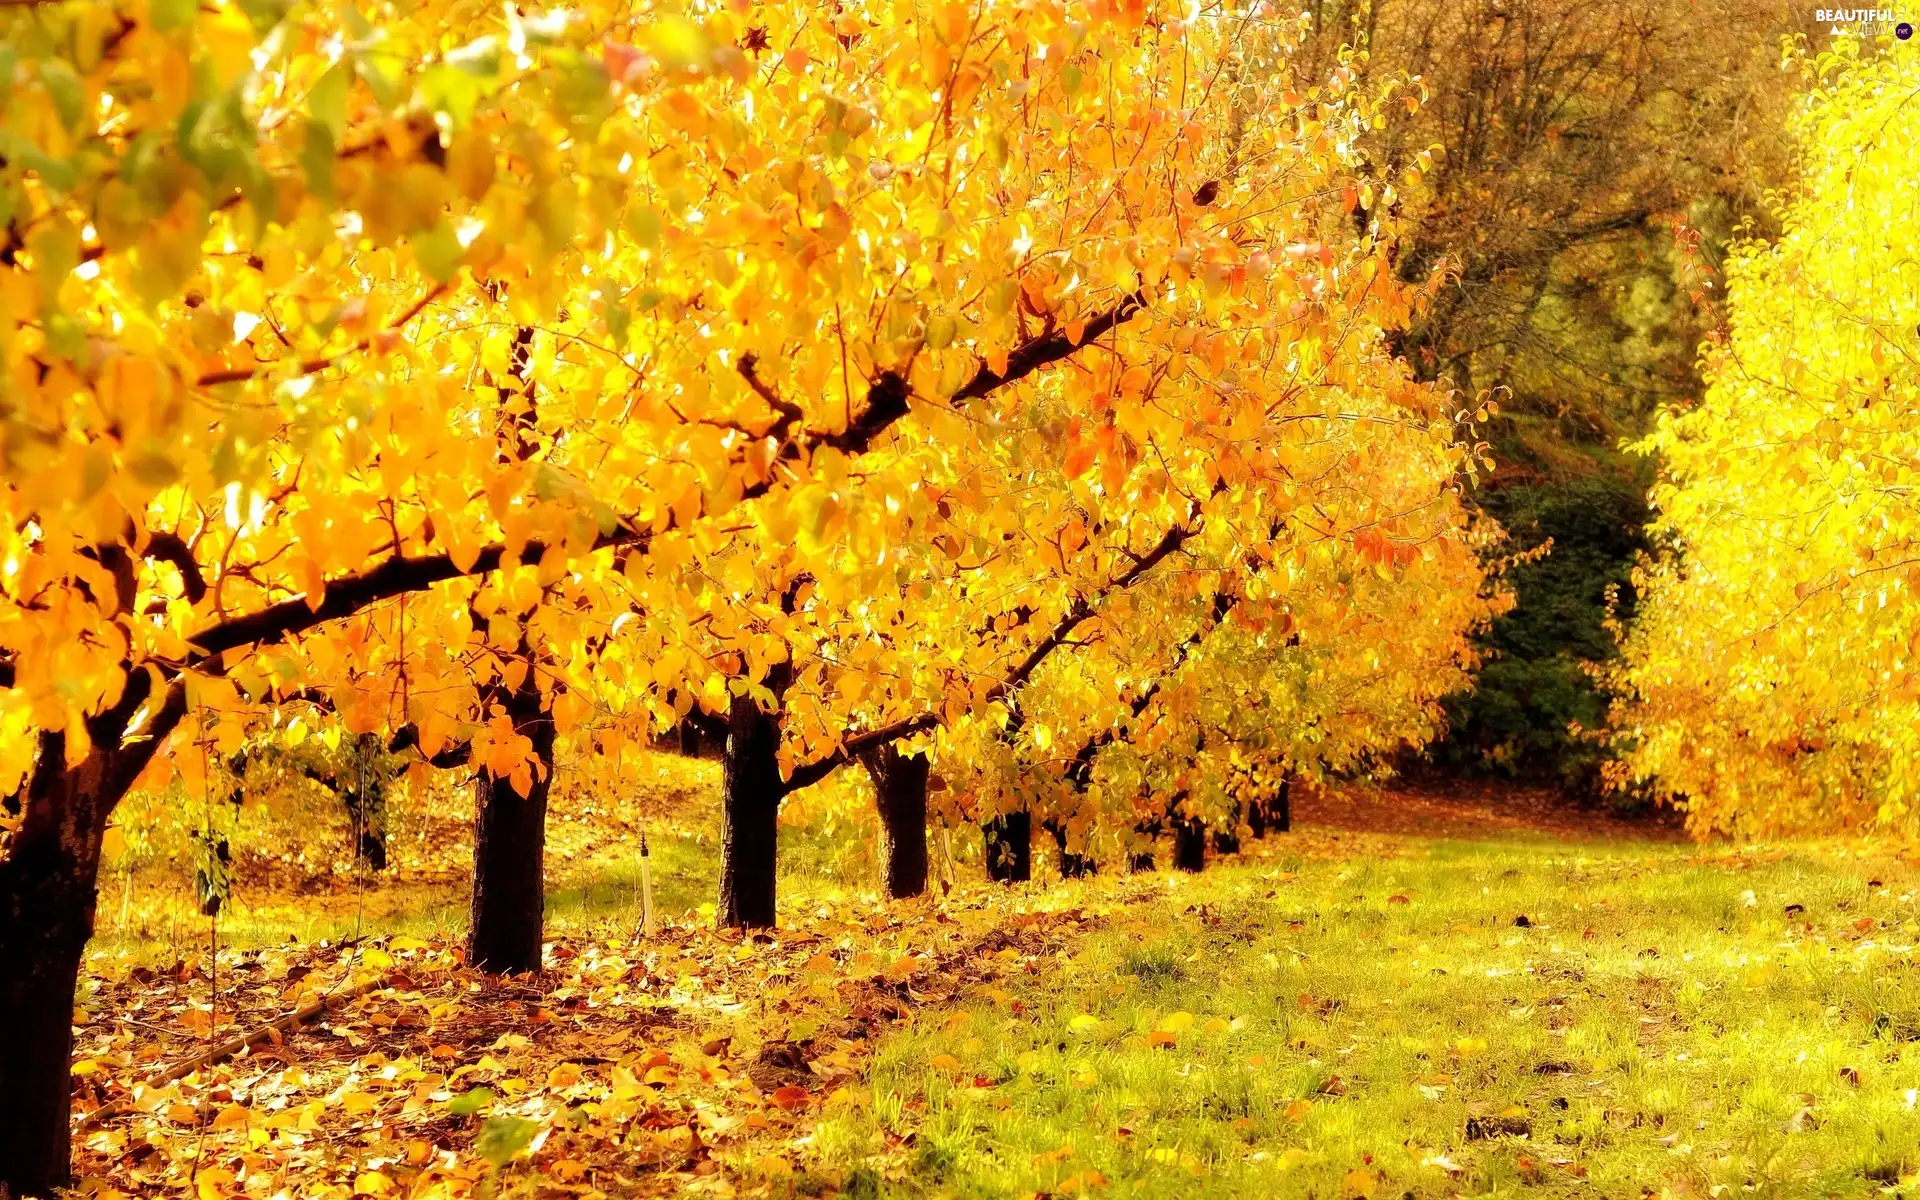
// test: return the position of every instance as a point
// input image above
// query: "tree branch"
(887, 402)
(1078, 611)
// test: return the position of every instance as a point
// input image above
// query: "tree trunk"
(1073, 865)
(1141, 861)
(1226, 840)
(900, 788)
(510, 849)
(689, 739)
(47, 897)
(1257, 817)
(1280, 811)
(749, 838)
(365, 795)
(1010, 847)
(1189, 844)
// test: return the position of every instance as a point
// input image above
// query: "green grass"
(1652, 1025)
(147, 914)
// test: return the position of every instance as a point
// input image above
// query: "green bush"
(1535, 686)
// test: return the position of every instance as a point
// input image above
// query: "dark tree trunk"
(1073, 865)
(48, 888)
(1141, 861)
(1257, 818)
(1280, 810)
(749, 837)
(510, 849)
(1226, 839)
(1010, 847)
(1189, 844)
(689, 739)
(371, 852)
(365, 795)
(900, 788)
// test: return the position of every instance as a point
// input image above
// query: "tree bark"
(1073, 865)
(510, 849)
(1280, 809)
(1141, 861)
(689, 739)
(365, 795)
(1010, 847)
(48, 890)
(1226, 839)
(749, 838)
(1189, 844)
(900, 788)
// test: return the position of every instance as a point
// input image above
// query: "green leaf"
(619, 320)
(450, 90)
(471, 1102)
(316, 158)
(503, 1137)
(327, 102)
(381, 78)
(154, 469)
(439, 251)
(265, 14)
(479, 58)
(69, 95)
(170, 15)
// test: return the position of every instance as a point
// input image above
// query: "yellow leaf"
(232, 1117)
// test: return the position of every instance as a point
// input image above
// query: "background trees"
(1591, 163)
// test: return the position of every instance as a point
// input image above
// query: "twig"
(235, 1045)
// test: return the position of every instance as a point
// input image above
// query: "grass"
(1378, 1015)
(1661, 1020)
(294, 882)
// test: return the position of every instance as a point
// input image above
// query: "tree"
(1592, 161)
(323, 335)
(1769, 682)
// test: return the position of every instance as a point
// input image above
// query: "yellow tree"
(308, 313)
(1772, 678)
(1330, 657)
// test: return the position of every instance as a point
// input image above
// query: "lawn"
(1475, 1003)
(1431, 1018)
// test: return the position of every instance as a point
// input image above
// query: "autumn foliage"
(999, 386)
(1770, 682)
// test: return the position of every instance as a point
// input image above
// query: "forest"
(958, 598)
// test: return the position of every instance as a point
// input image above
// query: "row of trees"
(997, 396)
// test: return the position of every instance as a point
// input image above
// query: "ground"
(1427, 993)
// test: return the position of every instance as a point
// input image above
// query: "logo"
(1866, 22)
